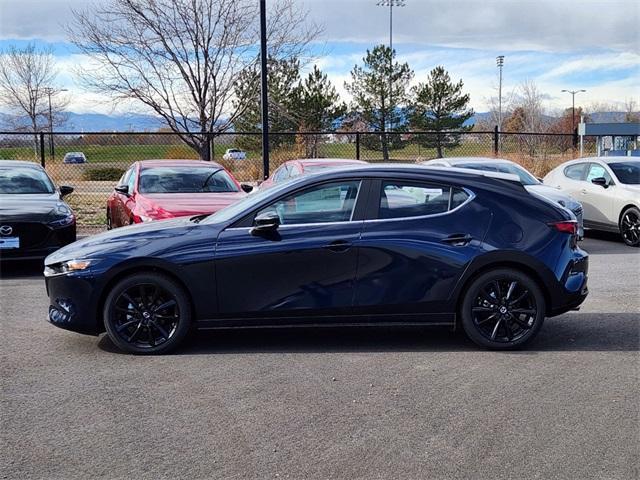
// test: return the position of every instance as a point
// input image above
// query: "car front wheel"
(503, 309)
(630, 226)
(147, 313)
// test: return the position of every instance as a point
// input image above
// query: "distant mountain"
(97, 122)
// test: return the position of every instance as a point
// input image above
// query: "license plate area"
(7, 243)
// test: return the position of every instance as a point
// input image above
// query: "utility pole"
(263, 84)
(391, 4)
(500, 64)
(49, 91)
(573, 107)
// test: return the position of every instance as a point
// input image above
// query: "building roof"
(602, 129)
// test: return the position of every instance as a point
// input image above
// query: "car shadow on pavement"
(571, 332)
(21, 268)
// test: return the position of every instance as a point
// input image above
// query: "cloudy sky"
(558, 44)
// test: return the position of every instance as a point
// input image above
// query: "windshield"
(24, 180)
(525, 177)
(185, 179)
(627, 172)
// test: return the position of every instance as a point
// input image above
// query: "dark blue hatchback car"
(358, 246)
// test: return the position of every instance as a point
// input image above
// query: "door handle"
(584, 191)
(458, 239)
(338, 246)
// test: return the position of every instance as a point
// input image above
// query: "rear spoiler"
(499, 175)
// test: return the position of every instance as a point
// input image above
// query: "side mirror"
(246, 187)
(600, 181)
(65, 190)
(123, 189)
(265, 223)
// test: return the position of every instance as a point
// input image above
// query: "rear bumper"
(572, 289)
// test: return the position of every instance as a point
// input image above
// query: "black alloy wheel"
(630, 226)
(503, 309)
(147, 313)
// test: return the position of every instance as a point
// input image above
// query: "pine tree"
(379, 90)
(440, 106)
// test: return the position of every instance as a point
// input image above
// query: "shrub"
(103, 173)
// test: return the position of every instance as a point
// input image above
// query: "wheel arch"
(624, 209)
(135, 269)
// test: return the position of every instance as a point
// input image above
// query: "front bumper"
(52, 240)
(73, 301)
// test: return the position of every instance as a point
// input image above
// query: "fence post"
(496, 141)
(575, 137)
(212, 148)
(357, 145)
(42, 149)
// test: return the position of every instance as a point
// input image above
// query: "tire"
(147, 313)
(630, 226)
(492, 321)
(109, 222)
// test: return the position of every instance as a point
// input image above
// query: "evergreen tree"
(379, 90)
(439, 105)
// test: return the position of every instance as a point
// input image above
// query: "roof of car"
(177, 163)
(458, 160)
(19, 163)
(613, 159)
(329, 161)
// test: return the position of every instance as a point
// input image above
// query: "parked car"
(295, 168)
(234, 154)
(530, 182)
(74, 157)
(609, 189)
(330, 249)
(161, 189)
(34, 219)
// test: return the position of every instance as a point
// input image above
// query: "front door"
(305, 267)
(597, 201)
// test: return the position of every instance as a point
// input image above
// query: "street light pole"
(573, 107)
(263, 84)
(391, 4)
(49, 91)
(500, 64)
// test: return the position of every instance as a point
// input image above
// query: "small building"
(615, 138)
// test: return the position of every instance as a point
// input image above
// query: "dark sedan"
(452, 248)
(34, 220)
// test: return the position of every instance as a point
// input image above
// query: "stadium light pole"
(391, 4)
(263, 89)
(573, 107)
(500, 64)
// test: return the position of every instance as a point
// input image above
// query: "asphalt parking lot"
(327, 403)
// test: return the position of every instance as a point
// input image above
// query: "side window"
(458, 197)
(412, 199)
(329, 202)
(294, 171)
(596, 170)
(125, 177)
(575, 172)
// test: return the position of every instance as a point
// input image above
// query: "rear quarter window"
(575, 172)
(405, 199)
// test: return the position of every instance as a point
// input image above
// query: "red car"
(294, 168)
(160, 189)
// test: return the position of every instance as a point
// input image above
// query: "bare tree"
(181, 58)
(631, 113)
(26, 78)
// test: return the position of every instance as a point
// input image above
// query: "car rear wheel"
(630, 226)
(503, 309)
(147, 313)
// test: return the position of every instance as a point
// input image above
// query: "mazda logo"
(6, 230)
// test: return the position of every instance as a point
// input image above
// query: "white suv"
(609, 190)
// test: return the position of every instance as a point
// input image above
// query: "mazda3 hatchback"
(382, 245)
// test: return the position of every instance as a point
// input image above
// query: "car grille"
(31, 234)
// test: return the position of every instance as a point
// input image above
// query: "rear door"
(307, 267)
(415, 243)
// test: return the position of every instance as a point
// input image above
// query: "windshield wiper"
(199, 218)
(209, 178)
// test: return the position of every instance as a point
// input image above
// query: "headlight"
(66, 267)
(63, 222)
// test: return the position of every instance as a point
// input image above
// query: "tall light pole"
(500, 64)
(49, 91)
(263, 89)
(573, 107)
(391, 4)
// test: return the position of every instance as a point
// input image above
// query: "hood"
(554, 194)
(120, 241)
(186, 204)
(30, 207)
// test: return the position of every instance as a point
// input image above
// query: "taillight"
(567, 226)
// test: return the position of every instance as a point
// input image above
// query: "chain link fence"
(108, 155)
